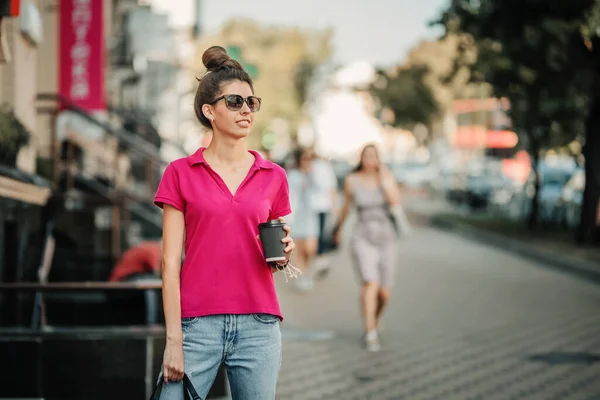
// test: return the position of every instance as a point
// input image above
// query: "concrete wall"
(18, 84)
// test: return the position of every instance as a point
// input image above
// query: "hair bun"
(216, 57)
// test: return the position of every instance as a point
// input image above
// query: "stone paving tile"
(446, 368)
(467, 322)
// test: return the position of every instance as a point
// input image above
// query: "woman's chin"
(237, 132)
(241, 133)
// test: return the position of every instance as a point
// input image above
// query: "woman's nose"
(245, 109)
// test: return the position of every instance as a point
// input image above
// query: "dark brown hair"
(359, 167)
(299, 153)
(220, 70)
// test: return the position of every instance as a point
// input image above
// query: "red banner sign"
(10, 8)
(82, 53)
(477, 137)
(15, 8)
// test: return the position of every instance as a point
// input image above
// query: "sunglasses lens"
(253, 103)
(234, 102)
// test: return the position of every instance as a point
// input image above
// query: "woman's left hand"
(289, 242)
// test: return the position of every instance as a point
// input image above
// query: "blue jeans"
(249, 345)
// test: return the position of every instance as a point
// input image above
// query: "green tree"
(423, 89)
(448, 71)
(524, 51)
(405, 93)
(586, 58)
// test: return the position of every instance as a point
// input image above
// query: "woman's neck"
(370, 173)
(226, 150)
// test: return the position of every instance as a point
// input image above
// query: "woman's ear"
(208, 112)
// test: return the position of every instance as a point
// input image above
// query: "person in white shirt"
(324, 201)
(304, 218)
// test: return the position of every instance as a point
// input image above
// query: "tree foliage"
(525, 51)
(543, 56)
(448, 71)
(406, 95)
(422, 90)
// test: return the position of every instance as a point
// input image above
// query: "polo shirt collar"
(198, 158)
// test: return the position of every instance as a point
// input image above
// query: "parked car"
(553, 180)
(480, 188)
(414, 175)
(571, 198)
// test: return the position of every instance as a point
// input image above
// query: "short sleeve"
(281, 202)
(330, 176)
(323, 176)
(169, 191)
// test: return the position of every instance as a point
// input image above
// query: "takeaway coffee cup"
(271, 233)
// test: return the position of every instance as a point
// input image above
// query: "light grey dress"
(373, 238)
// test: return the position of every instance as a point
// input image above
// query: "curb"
(546, 257)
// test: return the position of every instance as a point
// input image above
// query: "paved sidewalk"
(564, 255)
(466, 322)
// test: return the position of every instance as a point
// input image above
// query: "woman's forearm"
(172, 302)
(392, 195)
(343, 215)
(347, 201)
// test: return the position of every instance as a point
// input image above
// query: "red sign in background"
(477, 137)
(81, 53)
(10, 8)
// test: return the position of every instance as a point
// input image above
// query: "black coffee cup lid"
(273, 222)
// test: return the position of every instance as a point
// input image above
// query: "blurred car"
(414, 175)
(571, 198)
(480, 188)
(553, 180)
(552, 206)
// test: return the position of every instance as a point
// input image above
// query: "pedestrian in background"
(304, 217)
(221, 307)
(139, 264)
(373, 190)
(325, 202)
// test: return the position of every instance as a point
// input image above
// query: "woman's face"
(370, 160)
(235, 124)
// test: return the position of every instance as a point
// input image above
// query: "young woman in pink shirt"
(221, 306)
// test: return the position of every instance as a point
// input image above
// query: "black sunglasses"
(235, 102)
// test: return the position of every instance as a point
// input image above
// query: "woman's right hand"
(336, 239)
(173, 362)
(336, 235)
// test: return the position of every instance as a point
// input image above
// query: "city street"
(466, 321)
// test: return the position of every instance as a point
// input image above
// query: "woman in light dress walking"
(373, 190)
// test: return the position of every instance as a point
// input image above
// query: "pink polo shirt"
(224, 271)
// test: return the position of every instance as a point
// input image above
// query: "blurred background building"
(95, 104)
(84, 88)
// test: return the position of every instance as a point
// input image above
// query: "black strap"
(188, 389)
(187, 383)
(157, 389)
